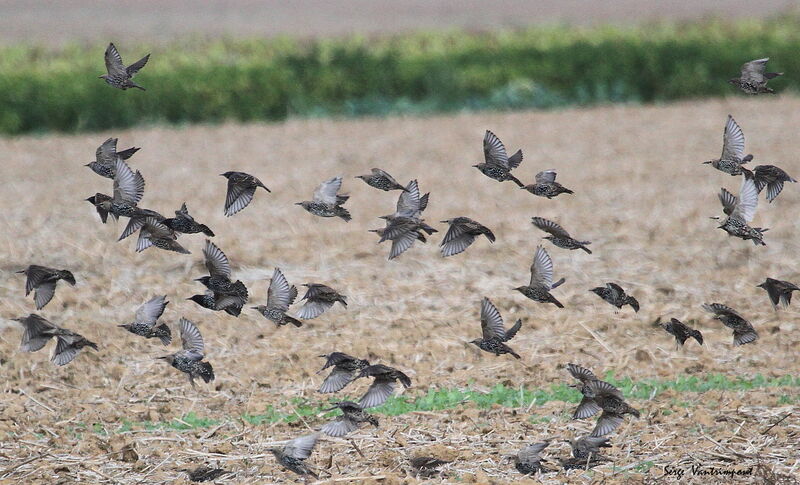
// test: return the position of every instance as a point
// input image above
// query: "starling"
(190, 359)
(327, 202)
(426, 466)
(614, 294)
(106, 156)
(779, 291)
(319, 298)
(128, 192)
(528, 462)
(137, 221)
(345, 370)
(403, 232)
(682, 332)
(740, 211)
(43, 280)
(743, 331)
(241, 188)
(155, 233)
(99, 201)
(294, 454)
(185, 223)
(232, 305)
(754, 77)
(39, 331)
(351, 419)
(733, 156)
(461, 234)
(144, 323)
(381, 180)
(219, 279)
(599, 395)
(588, 447)
(494, 332)
(498, 164)
(559, 236)
(772, 178)
(118, 75)
(541, 279)
(410, 204)
(205, 474)
(279, 296)
(383, 385)
(546, 185)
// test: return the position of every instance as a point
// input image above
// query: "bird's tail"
(556, 302)
(164, 334)
(747, 158)
(126, 154)
(206, 371)
(558, 283)
(294, 321)
(697, 336)
(134, 85)
(516, 355)
(515, 180)
(585, 248)
(344, 214)
(633, 302)
(632, 411)
(205, 230)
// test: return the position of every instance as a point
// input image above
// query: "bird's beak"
(198, 279)
(475, 166)
(254, 308)
(123, 326)
(706, 162)
(161, 358)
(88, 165)
(298, 203)
(101, 77)
(222, 175)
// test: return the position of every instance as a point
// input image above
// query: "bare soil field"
(642, 197)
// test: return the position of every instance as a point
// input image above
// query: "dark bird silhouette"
(558, 236)
(779, 291)
(294, 454)
(541, 279)
(462, 234)
(184, 223)
(144, 322)
(99, 201)
(319, 299)
(528, 460)
(381, 180)
(226, 293)
(743, 331)
(205, 474)
(39, 331)
(426, 466)
(772, 178)
(241, 189)
(118, 75)
(615, 295)
(682, 332)
(106, 156)
(599, 395)
(498, 164)
(353, 416)
(229, 304)
(42, 280)
(279, 296)
(733, 156)
(494, 332)
(546, 185)
(753, 79)
(326, 201)
(741, 210)
(382, 386)
(345, 370)
(189, 360)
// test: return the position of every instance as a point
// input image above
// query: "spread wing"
(581, 373)
(409, 202)
(313, 309)
(491, 321)
(530, 454)
(549, 226)
(134, 68)
(107, 152)
(402, 243)
(35, 335)
(128, 186)
(64, 352)
(336, 380)
(280, 294)
(587, 408)
(732, 141)
(616, 290)
(542, 269)
(300, 448)
(44, 293)
(377, 394)
(745, 208)
(190, 337)
(753, 71)
(606, 424)
(35, 274)
(728, 200)
(114, 64)
(494, 151)
(325, 193)
(151, 311)
(216, 261)
(720, 309)
(339, 427)
(237, 197)
(546, 176)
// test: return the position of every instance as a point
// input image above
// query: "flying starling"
(155, 233)
(494, 332)
(754, 77)
(118, 75)
(546, 185)
(353, 416)
(232, 305)
(137, 221)
(733, 156)
(779, 292)
(185, 223)
(219, 280)
(585, 453)
(740, 211)
(99, 201)
(190, 359)
(39, 331)
(345, 370)
(326, 201)
(106, 156)
(128, 192)
(279, 296)
(559, 236)
(410, 204)
(498, 164)
(383, 385)
(144, 323)
(241, 188)
(381, 180)
(599, 395)
(461, 234)
(294, 454)
(743, 331)
(319, 298)
(528, 462)
(426, 466)
(43, 280)
(403, 232)
(682, 332)
(541, 279)
(772, 178)
(614, 294)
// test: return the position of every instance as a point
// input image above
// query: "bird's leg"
(191, 381)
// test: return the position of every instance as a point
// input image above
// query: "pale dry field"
(642, 197)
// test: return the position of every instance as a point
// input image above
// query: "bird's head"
(527, 187)
(168, 358)
(104, 76)
(126, 326)
(204, 280)
(479, 166)
(549, 238)
(477, 341)
(89, 164)
(521, 289)
(226, 174)
(199, 299)
(708, 161)
(305, 204)
(733, 80)
(259, 308)
(362, 177)
(597, 290)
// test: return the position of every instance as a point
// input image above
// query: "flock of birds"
(403, 228)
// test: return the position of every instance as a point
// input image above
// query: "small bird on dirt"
(105, 158)
(585, 453)
(733, 156)
(279, 296)
(319, 298)
(353, 416)
(185, 223)
(426, 466)
(381, 180)
(494, 332)
(155, 233)
(345, 370)
(189, 360)
(615, 295)
(403, 232)
(39, 331)
(528, 460)
(599, 395)
(144, 323)
(382, 386)
(326, 201)
(119, 76)
(241, 189)
(772, 178)
(205, 474)
(219, 280)
(779, 291)
(294, 454)
(753, 79)
(743, 331)
(741, 210)
(462, 234)
(498, 164)
(559, 236)
(43, 280)
(681, 332)
(541, 279)
(546, 185)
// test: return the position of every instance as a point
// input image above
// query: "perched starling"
(294, 454)
(351, 419)
(155, 233)
(128, 192)
(190, 359)
(410, 204)
(743, 331)
(39, 331)
(494, 332)
(345, 370)
(426, 466)
(279, 296)
(327, 202)
(144, 323)
(614, 294)
(682, 332)
(461, 234)
(403, 232)
(599, 395)
(588, 447)
(733, 156)
(185, 223)
(546, 185)
(772, 178)
(779, 291)
(205, 474)
(740, 211)
(383, 385)
(541, 279)
(559, 236)
(118, 75)
(381, 180)
(43, 280)
(754, 77)
(498, 164)
(106, 156)
(528, 462)
(241, 188)
(225, 292)
(319, 298)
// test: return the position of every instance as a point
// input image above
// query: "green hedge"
(42, 89)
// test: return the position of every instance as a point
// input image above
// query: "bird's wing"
(280, 293)
(491, 321)
(216, 261)
(586, 409)
(325, 193)
(616, 290)
(511, 332)
(456, 245)
(134, 68)
(64, 351)
(35, 274)
(581, 373)
(184, 212)
(603, 387)
(339, 427)
(237, 197)
(455, 231)
(151, 311)
(542, 269)
(606, 424)
(44, 293)
(745, 208)
(494, 151)
(728, 201)
(191, 339)
(530, 454)
(377, 394)
(402, 243)
(128, 186)
(35, 335)
(753, 71)
(336, 380)
(546, 176)
(382, 173)
(107, 152)
(114, 64)
(313, 309)
(732, 141)
(549, 226)
(301, 447)
(409, 202)
(720, 309)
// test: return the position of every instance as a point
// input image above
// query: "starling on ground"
(410, 204)
(43, 280)
(541, 279)
(353, 416)
(106, 156)
(754, 77)
(614, 294)
(779, 291)
(294, 454)
(205, 474)
(772, 178)
(383, 385)
(326, 201)
(279, 296)
(426, 466)
(241, 188)
(682, 332)
(588, 447)
(461, 234)
(599, 395)
(118, 75)
(743, 331)
(185, 223)
(494, 332)
(190, 359)
(144, 323)
(559, 236)
(740, 211)
(546, 185)
(128, 192)
(155, 233)
(381, 180)
(319, 298)
(403, 232)
(345, 370)
(39, 331)
(528, 462)
(225, 292)
(498, 164)
(733, 156)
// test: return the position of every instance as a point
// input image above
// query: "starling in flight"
(118, 75)
(294, 454)
(106, 156)
(614, 294)
(779, 291)
(528, 462)
(144, 323)
(128, 192)
(558, 236)
(541, 279)
(345, 370)
(772, 178)
(241, 188)
(743, 331)
(189, 360)
(498, 164)
(599, 395)
(279, 296)
(155, 233)
(39, 331)
(754, 77)
(733, 156)
(494, 332)
(185, 223)
(353, 416)
(225, 292)
(319, 298)
(326, 201)
(410, 204)
(546, 185)
(403, 232)
(381, 180)
(741, 210)
(383, 384)
(43, 281)
(682, 332)
(462, 234)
